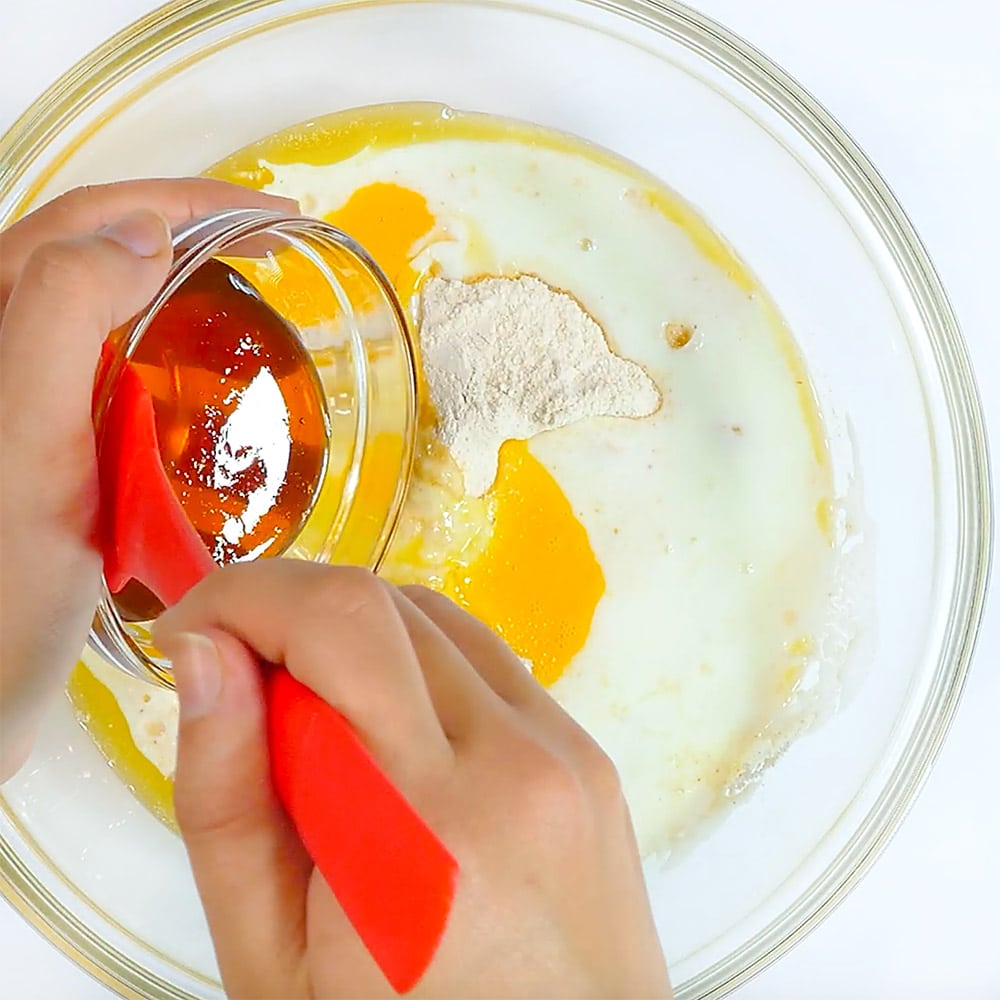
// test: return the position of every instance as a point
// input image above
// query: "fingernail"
(146, 234)
(197, 673)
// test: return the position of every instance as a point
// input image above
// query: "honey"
(239, 411)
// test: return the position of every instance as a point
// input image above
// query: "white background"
(917, 83)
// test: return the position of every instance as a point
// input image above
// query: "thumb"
(251, 869)
(69, 296)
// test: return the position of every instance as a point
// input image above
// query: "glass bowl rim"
(157, 32)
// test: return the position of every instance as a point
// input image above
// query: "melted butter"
(442, 531)
(825, 520)
(804, 388)
(343, 134)
(377, 480)
(98, 711)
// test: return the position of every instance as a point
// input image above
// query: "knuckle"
(423, 597)
(352, 592)
(417, 592)
(552, 792)
(210, 804)
(598, 771)
(565, 793)
(204, 817)
(58, 267)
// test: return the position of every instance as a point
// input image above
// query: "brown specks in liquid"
(677, 335)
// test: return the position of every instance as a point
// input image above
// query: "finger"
(460, 696)
(499, 666)
(251, 869)
(71, 294)
(338, 631)
(504, 672)
(86, 209)
(348, 969)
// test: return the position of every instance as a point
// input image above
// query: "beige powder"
(508, 358)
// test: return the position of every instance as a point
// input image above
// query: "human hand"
(70, 273)
(550, 901)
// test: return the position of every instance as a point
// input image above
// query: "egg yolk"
(538, 582)
(389, 221)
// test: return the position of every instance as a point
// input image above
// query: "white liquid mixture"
(712, 520)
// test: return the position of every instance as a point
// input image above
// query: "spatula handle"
(394, 879)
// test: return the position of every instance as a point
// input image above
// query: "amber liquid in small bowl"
(239, 417)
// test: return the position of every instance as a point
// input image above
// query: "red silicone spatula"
(394, 879)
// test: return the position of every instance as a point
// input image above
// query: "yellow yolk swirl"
(538, 582)
(388, 221)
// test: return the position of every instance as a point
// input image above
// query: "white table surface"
(918, 85)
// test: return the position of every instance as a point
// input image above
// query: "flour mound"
(508, 358)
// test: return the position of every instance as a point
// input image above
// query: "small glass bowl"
(354, 331)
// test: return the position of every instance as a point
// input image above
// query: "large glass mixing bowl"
(787, 187)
